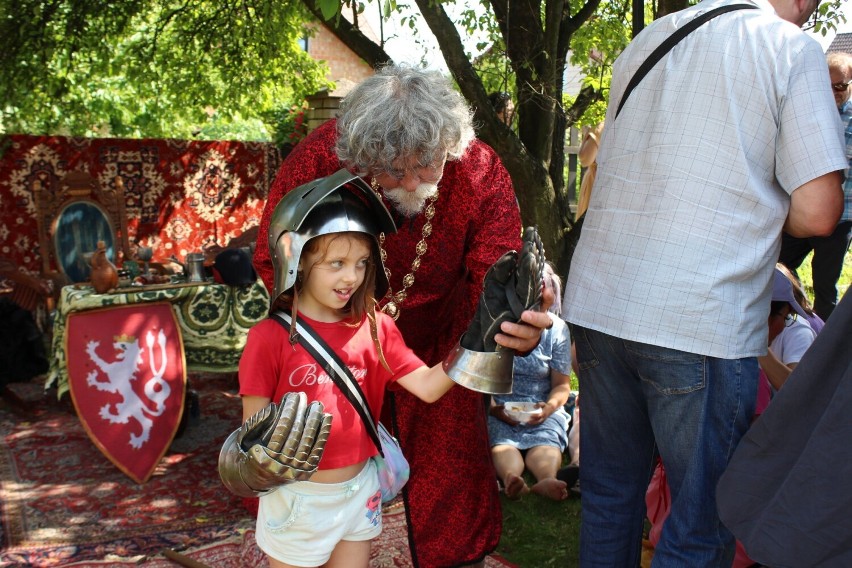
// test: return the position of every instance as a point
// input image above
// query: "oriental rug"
(62, 503)
(180, 195)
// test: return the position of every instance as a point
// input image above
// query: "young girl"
(328, 274)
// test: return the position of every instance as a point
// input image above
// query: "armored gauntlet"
(278, 445)
(513, 284)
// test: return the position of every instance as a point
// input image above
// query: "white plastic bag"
(393, 468)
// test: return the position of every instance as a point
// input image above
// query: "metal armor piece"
(489, 372)
(278, 445)
(513, 284)
(338, 203)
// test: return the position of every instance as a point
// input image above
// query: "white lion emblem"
(121, 372)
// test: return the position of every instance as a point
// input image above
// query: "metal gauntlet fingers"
(530, 272)
(278, 445)
(511, 285)
(303, 436)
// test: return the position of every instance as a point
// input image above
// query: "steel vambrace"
(279, 444)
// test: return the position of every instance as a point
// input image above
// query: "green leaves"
(329, 8)
(389, 8)
(826, 18)
(151, 67)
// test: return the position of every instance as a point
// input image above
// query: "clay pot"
(104, 275)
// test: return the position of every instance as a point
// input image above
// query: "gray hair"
(839, 60)
(399, 114)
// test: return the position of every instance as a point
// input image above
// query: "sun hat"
(782, 291)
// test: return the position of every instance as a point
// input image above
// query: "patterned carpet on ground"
(62, 503)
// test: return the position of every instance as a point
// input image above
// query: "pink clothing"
(271, 367)
(764, 394)
(658, 500)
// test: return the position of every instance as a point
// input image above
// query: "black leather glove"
(513, 284)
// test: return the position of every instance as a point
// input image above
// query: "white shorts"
(301, 523)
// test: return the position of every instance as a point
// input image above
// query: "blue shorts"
(301, 523)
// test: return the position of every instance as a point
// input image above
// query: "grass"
(540, 532)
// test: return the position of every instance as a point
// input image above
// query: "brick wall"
(346, 69)
(342, 62)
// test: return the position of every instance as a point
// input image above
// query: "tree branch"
(350, 35)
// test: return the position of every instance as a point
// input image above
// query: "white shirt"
(693, 184)
(790, 345)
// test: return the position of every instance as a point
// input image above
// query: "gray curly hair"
(399, 114)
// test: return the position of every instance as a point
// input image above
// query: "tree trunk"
(665, 7)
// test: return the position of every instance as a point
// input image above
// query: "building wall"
(343, 63)
(346, 69)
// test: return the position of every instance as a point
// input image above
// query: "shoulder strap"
(673, 40)
(336, 369)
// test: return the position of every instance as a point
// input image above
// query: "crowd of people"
(681, 324)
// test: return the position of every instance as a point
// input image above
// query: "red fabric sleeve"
(259, 369)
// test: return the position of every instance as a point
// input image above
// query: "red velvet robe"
(451, 498)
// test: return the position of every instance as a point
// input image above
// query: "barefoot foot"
(551, 488)
(515, 486)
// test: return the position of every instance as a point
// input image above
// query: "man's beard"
(410, 203)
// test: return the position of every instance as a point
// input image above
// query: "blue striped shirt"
(846, 116)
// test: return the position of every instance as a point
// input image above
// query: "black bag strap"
(673, 40)
(336, 369)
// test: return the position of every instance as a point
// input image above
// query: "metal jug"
(195, 267)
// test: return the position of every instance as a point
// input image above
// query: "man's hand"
(524, 337)
(512, 292)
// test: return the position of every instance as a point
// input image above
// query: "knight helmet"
(338, 203)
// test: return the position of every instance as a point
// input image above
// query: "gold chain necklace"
(395, 300)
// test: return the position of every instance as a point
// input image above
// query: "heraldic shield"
(127, 377)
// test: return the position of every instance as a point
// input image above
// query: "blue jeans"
(638, 401)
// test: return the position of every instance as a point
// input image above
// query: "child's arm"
(254, 404)
(427, 384)
(560, 389)
(776, 370)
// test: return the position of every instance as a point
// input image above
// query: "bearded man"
(409, 134)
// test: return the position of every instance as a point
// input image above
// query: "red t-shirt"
(270, 367)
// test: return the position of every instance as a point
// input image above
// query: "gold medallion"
(392, 310)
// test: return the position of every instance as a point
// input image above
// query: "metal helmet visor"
(341, 202)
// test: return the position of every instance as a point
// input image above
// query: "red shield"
(127, 377)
